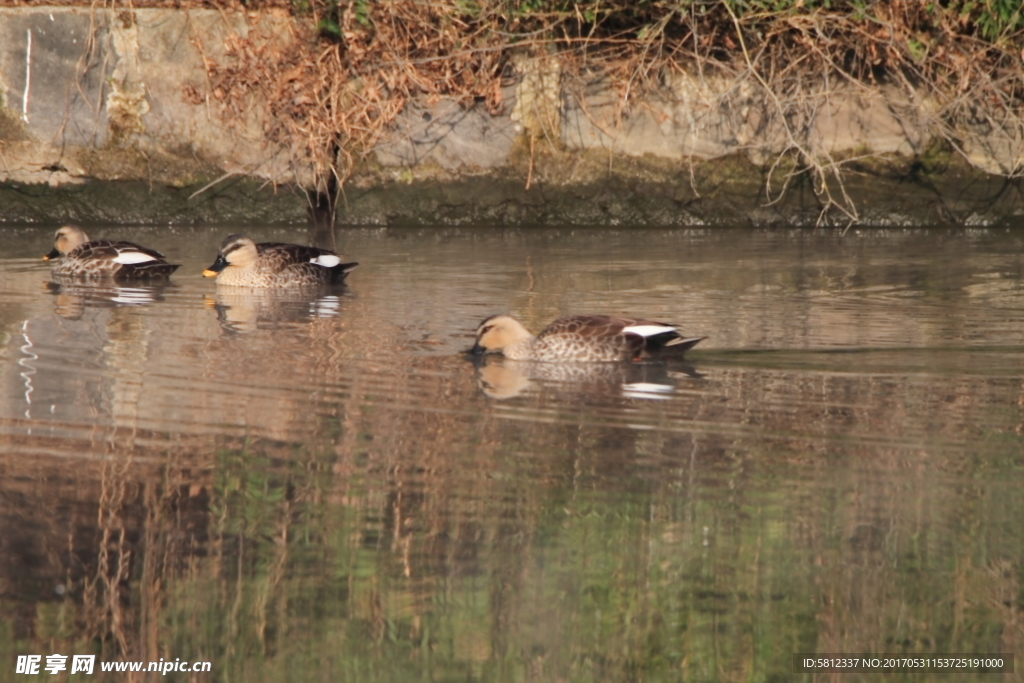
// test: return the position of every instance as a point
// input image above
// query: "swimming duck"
(272, 264)
(588, 338)
(80, 257)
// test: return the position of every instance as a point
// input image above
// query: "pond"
(323, 487)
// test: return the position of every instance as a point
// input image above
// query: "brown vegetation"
(359, 63)
(332, 93)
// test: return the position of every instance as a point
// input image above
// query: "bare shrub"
(334, 91)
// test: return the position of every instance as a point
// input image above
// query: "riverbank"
(156, 114)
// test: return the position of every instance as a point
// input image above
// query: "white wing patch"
(132, 257)
(326, 260)
(647, 330)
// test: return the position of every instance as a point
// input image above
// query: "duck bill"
(52, 255)
(220, 264)
(477, 350)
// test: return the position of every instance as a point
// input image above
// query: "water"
(323, 488)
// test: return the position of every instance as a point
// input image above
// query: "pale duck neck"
(520, 350)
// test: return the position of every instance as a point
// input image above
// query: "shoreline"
(155, 115)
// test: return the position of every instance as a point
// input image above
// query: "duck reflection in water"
(503, 378)
(72, 295)
(242, 310)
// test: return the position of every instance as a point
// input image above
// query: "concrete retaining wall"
(101, 109)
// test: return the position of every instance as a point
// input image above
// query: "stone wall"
(106, 115)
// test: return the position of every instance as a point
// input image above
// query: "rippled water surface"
(320, 486)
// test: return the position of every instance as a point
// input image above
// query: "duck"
(580, 338)
(80, 257)
(273, 264)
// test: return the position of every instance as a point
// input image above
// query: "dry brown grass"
(331, 94)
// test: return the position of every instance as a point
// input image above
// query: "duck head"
(498, 332)
(66, 239)
(235, 250)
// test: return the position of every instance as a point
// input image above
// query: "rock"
(112, 114)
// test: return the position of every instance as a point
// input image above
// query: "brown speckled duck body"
(581, 338)
(244, 263)
(80, 257)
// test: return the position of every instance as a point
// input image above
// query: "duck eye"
(486, 329)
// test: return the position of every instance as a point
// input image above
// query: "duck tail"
(682, 344)
(340, 271)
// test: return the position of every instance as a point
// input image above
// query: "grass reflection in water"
(340, 496)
